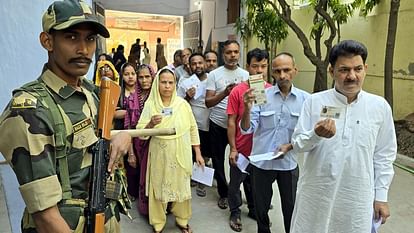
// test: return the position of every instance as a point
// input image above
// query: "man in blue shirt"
(273, 124)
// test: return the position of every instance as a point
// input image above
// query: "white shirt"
(200, 110)
(217, 81)
(344, 174)
(181, 73)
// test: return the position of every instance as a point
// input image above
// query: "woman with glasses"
(106, 69)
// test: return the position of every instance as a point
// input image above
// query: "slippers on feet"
(235, 224)
(186, 229)
(222, 203)
(201, 192)
(153, 230)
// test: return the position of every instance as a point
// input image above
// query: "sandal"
(201, 191)
(154, 231)
(235, 223)
(186, 229)
(222, 203)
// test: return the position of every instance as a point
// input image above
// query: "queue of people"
(345, 134)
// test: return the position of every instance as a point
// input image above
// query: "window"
(233, 11)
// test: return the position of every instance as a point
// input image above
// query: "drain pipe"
(405, 168)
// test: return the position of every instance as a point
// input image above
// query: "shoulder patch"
(24, 100)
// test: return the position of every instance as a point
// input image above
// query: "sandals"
(235, 223)
(222, 203)
(186, 229)
(201, 191)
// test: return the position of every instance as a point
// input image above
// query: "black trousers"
(205, 145)
(262, 181)
(235, 198)
(218, 142)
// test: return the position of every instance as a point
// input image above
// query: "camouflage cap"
(67, 13)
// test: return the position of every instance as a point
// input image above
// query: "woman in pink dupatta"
(135, 91)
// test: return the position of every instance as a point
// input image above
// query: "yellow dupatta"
(98, 76)
(180, 119)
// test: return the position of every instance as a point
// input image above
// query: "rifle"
(97, 202)
(95, 212)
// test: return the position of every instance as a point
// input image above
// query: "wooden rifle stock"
(97, 203)
(146, 132)
(109, 96)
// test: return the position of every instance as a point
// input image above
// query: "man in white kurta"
(349, 141)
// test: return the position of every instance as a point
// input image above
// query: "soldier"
(51, 160)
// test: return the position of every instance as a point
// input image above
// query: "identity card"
(331, 112)
(256, 82)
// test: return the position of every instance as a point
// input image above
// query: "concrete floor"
(207, 217)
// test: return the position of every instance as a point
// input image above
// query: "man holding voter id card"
(272, 124)
(241, 144)
(220, 82)
(349, 141)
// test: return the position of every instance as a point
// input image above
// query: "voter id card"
(166, 111)
(331, 112)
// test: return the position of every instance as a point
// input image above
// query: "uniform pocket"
(83, 134)
(71, 214)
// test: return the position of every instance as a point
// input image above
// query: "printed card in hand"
(256, 82)
(194, 82)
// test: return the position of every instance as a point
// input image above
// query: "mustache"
(350, 81)
(80, 59)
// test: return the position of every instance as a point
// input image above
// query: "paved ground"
(207, 217)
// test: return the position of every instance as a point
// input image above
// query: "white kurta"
(344, 174)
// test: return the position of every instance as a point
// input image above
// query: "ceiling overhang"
(162, 7)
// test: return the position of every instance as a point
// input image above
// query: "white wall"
(22, 55)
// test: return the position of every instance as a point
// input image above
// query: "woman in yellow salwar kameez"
(170, 157)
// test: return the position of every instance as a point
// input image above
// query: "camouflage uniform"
(29, 145)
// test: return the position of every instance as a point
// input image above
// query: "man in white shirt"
(349, 141)
(193, 89)
(220, 82)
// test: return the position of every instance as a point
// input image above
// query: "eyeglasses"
(105, 68)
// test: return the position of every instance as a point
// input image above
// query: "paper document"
(204, 176)
(191, 82)
(265, 156)
(256, 82)
(242, 163)
(376, 223)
